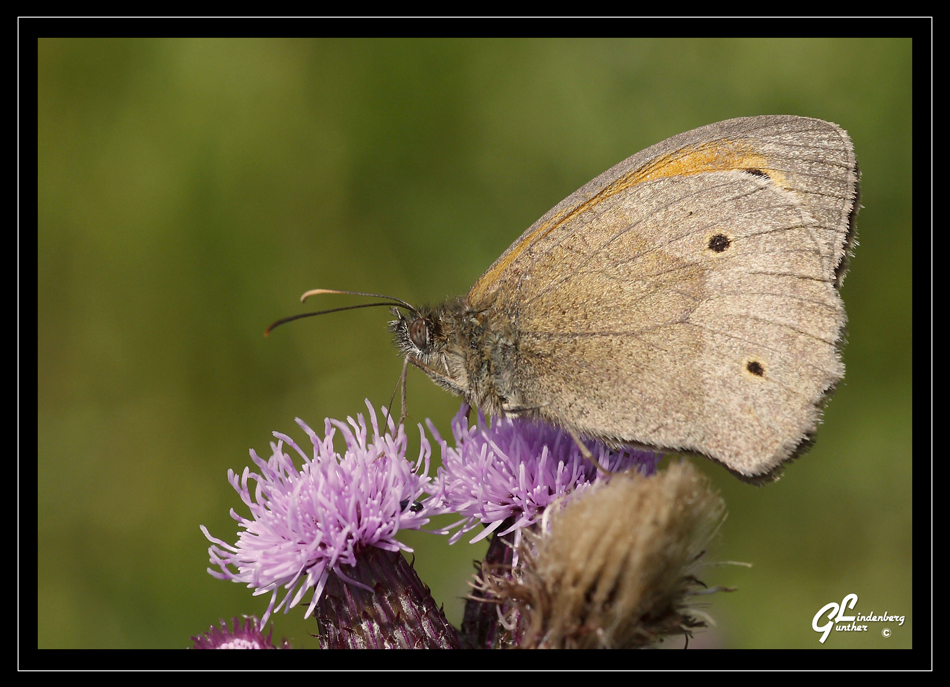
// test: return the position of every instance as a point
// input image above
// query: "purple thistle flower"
(250, 635)
(310, 522)
(516, 468)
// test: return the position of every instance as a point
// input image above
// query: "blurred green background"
(191, 190)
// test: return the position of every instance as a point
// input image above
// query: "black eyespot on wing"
(719, 243)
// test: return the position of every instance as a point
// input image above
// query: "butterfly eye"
(419, 333)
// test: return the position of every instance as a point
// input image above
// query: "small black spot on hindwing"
(719, 243)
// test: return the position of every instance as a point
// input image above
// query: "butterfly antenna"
(390, 301)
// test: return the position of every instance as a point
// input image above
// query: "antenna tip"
(316, 292)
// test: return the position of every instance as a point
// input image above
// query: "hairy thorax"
(469, 352)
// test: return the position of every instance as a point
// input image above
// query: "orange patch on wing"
(712, 157)
(716, 156)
